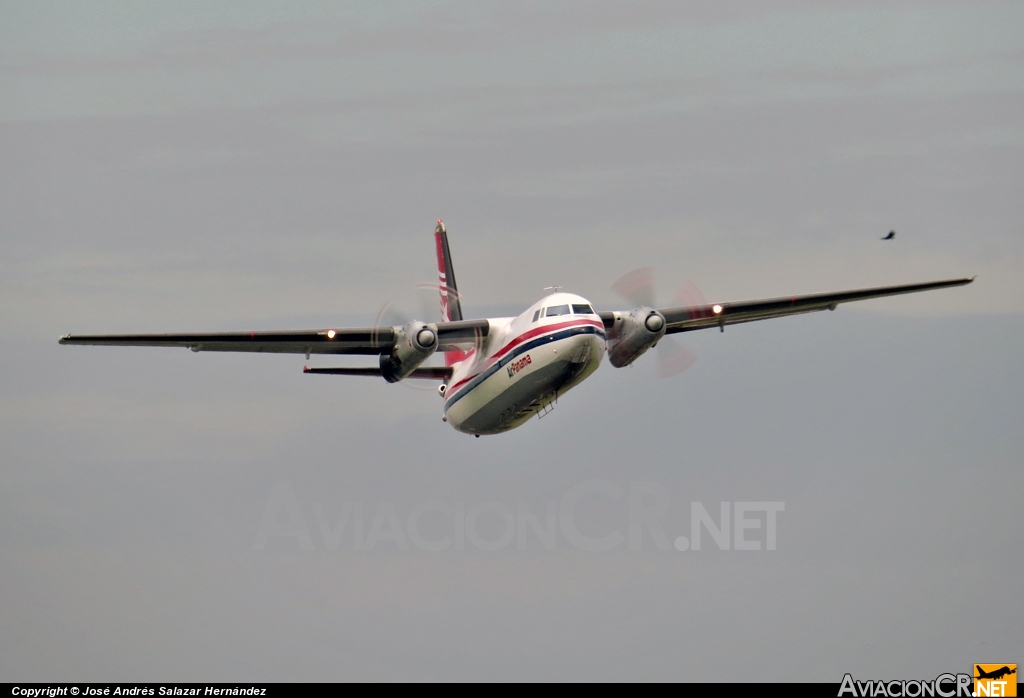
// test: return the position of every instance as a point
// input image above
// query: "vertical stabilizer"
(451, 309)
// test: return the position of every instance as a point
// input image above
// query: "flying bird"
(890, 236)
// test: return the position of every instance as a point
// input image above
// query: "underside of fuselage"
(525, 382)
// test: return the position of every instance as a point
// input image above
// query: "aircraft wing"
(371, 341)
(699, 317)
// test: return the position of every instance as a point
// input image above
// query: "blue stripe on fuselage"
(522, 349)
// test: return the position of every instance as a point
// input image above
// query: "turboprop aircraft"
(499, 372)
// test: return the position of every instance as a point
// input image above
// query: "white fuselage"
(524, 364)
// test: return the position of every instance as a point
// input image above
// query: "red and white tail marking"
(451, 309)
(442, 279)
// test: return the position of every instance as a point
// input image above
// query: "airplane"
(499, 372)
(996, 674)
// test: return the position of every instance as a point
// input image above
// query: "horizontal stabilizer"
(439, 373)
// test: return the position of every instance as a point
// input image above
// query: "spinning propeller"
(637, 287)
(394, 314)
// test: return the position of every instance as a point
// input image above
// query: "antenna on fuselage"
(556, 289)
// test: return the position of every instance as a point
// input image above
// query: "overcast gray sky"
(196, 166)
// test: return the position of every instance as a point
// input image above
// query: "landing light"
(330, 334)
(717, 309)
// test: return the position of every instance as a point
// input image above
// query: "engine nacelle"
(634, 333)
(414, 344)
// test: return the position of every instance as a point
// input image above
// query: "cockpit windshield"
(557, 310)
(582, 309)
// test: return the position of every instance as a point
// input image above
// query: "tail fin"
(451, 309)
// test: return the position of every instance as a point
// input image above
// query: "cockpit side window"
(558, 310)
(582, 309)
(536, 314)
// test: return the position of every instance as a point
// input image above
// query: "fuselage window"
(582, 309)
(558, 310)
(536, 314)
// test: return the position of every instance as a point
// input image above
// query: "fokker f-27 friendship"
(499, 372)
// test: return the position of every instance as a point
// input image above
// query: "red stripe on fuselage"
(526, 336)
